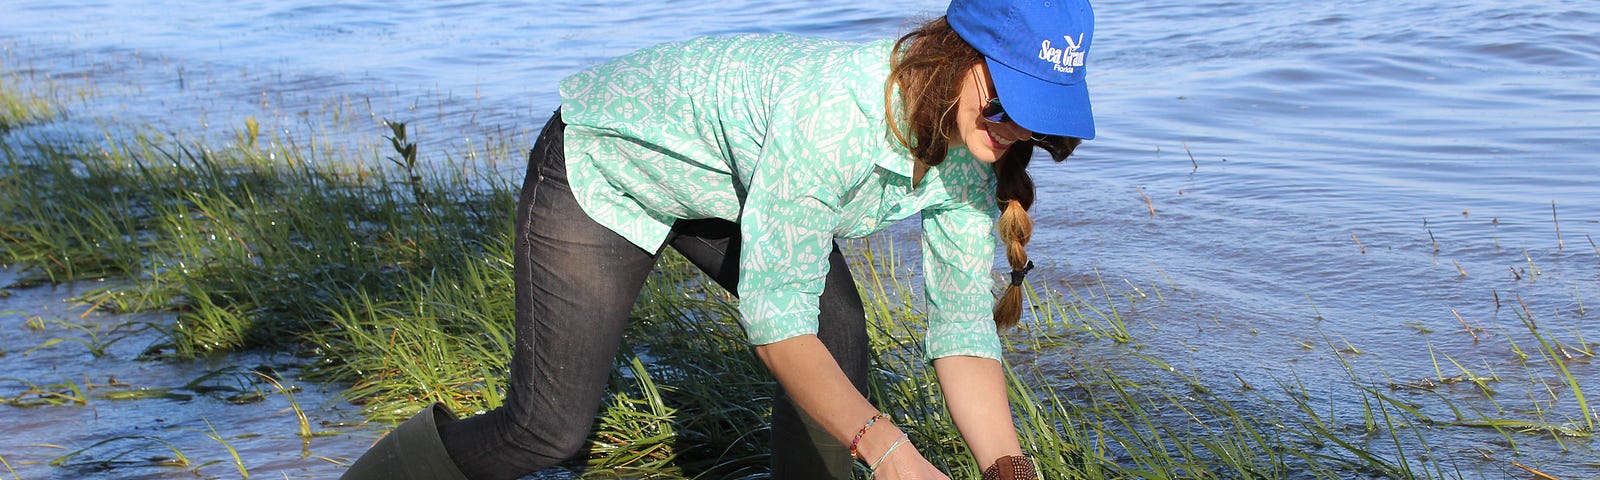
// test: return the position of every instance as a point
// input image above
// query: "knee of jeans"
(550, 446)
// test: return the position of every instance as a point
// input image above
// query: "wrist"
(855, 442)
(1011, 467)
(877, 441)
(900, 441)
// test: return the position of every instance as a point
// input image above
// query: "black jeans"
(575, 284)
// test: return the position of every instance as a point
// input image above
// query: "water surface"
(1355, 173)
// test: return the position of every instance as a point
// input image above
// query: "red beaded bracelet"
(863, 432)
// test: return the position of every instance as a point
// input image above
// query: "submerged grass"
(238, 462)
(111, 452)
(395, 280)
(6, 464)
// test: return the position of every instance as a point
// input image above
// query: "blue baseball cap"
(1035, 50)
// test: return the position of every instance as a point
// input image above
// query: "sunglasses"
(1057, 146)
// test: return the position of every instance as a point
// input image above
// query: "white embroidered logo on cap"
(1066, 60)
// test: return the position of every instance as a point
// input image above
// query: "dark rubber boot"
(413, 451)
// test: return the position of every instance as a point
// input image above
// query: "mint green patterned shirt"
(786, 136)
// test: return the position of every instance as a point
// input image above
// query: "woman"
(751, 155)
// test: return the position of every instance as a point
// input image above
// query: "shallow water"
(136, 414)
(1320, 172)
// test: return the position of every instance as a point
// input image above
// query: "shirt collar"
(892, 156)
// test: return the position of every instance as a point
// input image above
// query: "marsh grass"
(238, 462)
(300, 417)
(635, 435)
(250, 251)
(35, 395)
(393, 279)
(96, 337)
(19, 108)
(214, 384)
(13, 471)
(1557, 355)
(123, 451)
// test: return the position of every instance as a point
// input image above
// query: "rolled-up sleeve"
(787, 235)
(958, 250)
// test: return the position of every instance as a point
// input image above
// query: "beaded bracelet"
(897, 443)
(863, 432)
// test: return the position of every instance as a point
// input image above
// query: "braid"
(1014, 191)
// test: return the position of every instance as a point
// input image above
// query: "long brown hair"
(929, 68)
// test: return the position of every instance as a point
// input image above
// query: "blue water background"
(1323, 175)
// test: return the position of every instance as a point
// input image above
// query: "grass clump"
(19, 108)
(251, 246)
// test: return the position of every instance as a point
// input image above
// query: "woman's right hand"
(906, 463)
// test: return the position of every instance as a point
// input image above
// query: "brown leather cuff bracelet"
(1011, 468)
